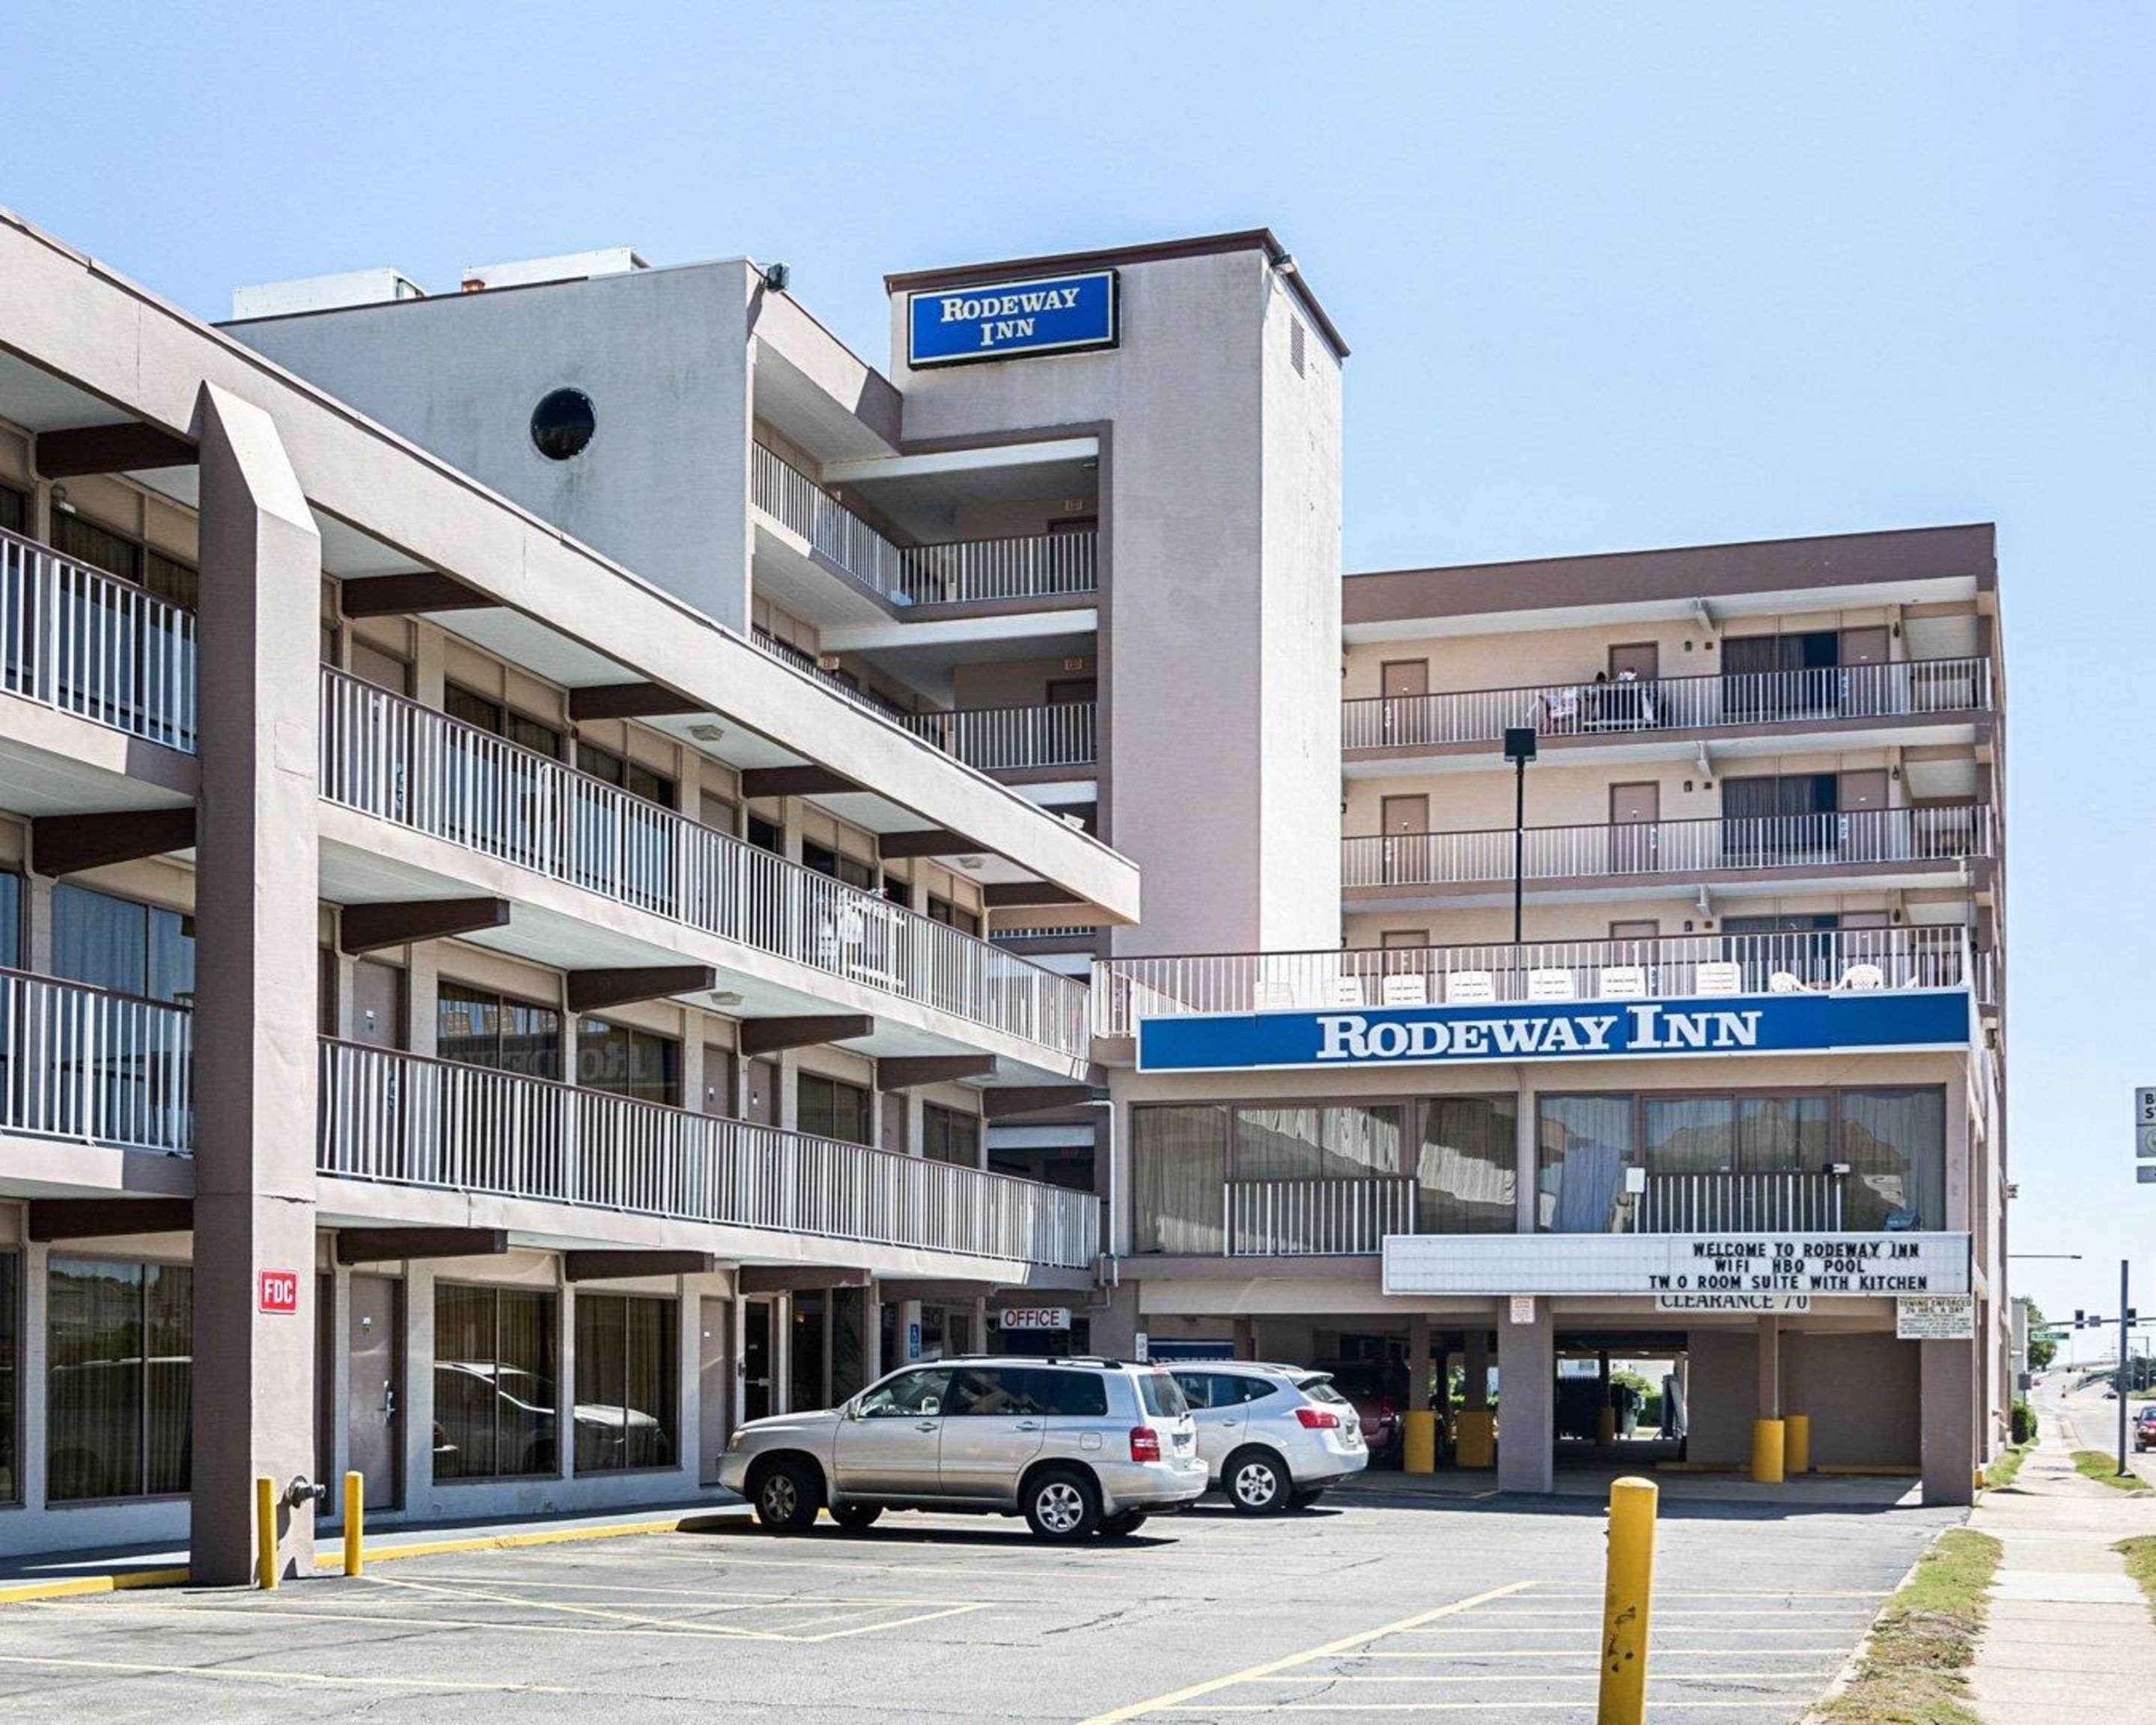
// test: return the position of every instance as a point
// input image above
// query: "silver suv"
(1272, 1435)
(1075, 1447)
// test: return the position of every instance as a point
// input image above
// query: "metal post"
(2124, 1266)
(1519, 848)
(355, 1524)
(265, 1533)
(1627, 1590)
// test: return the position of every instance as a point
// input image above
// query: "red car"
(1379, 1391)
(2144, 1427)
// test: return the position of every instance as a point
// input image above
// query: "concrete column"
(255, 1009)
(1526, 1432)
(872, 1365)
(1418, 1362)
(565, 1373)
(423, 981)
(1947, 1404)
(419, 1388)
(37, 923)
(36, 1328)
(909, 1326)
(1768, 1353)
(1112, 1327)
(1246, 1338)
(338, 1367)
(1475, 1365)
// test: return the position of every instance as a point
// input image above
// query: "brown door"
(1865, 830)
(1865, 646)
(1402, 677)
(893, 1130)
(1643, 658)
(1636, 812)
(377, 1004)
(715, 1389)
(1404, 821)
(762, 1105)
(1627, 704)
(373, 1415)
(1402, 717)
(718, 1081)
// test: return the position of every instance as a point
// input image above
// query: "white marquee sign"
(1812, 1264)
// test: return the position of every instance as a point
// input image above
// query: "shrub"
(2024, 1423)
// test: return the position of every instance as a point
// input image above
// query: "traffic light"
(2081, 1317)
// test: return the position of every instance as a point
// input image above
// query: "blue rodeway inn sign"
(1010, 319)
(1551, 1030)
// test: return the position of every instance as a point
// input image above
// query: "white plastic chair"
(1471, 987)
(1407, 990)
(1863, 978)
(1623, 982)
(1783, 983)
(1721, 976)
(1346, 991)
(1274, 997)
(1551, 985)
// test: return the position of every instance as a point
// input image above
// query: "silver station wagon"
(1075, 1447)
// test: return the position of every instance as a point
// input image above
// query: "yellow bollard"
(1796, 1443)
(1474, 1443)
(265, 1533)
(1627, 1593)
(1768, 1439)
(355, 1516)
(1418, 1442)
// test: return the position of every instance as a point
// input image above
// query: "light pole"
(1519, 750)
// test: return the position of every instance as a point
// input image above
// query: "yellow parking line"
(76, 1587)
(1659, 1707)
(255, 1674)
(1812, 1676)
(1590, 1653)
(1173, 1702)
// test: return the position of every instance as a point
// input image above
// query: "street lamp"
(1519, 750)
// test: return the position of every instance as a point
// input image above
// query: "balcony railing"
(1678, 967)
(1034, 566)
(400, 762)
(410, 1121)
(1314, 1218)
(1898, 690)
(1720, 1203)
(90, 644)
(94, 1066)
(1763, 843)
(997, 739)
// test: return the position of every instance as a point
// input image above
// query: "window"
(619, 771)
(629, 1063)
(829, 1108)
(386, 671)
(909, 1395)
(627, 1382)
(1894, 1141)
(942, 910)
(1221, 1389)
(11, 1386)
(563, 424)
(986, 1392)
(490, 715)
(948, 1135)
(1465, 1168)
(1162, 1395)
(494, 1382)
(117, 943)
(767, 835)
(1584, 1145)
(825, 860)
(1181, 1154)
(84, 541)
(14, 510)
(11, 921)
(477, 1026)
(119, 1380)
(1300, 1143)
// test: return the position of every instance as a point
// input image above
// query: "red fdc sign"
(281, 1291)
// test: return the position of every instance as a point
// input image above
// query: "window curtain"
(11, 1391)
(168, 1378)
(525, 1416)
(100, 940)
(1783, 1135)
(1895, 1143)
(119, 1380)
(1690, 1135)
(1465, 1173)
(1181, 1159)
(494, 1382)
(1292, 1143)
(1584, 1145)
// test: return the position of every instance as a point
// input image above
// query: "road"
(1489, 1610)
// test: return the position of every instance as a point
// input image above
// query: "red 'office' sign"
(281, 1291)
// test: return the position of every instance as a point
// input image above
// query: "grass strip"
(2103, 1467)
(2140, 1555)
(1913, 1669)
(2001, 1472)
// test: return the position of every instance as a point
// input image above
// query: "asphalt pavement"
(1487, 1610)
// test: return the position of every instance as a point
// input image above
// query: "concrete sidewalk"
(2069, 1637)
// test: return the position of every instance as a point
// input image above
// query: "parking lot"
(1487, 1609)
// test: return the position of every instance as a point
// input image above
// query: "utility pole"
(2125, 1318)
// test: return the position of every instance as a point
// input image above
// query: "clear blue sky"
(1614, 276)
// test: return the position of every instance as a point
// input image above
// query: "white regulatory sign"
(1732, 1302)
(2145, 1106)
(1935, 1317)
(1036, 1317)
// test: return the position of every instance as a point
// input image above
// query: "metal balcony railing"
(1678, 967)
(94, 1066)
(400, 762)
(1000, 738)
(1898, 689)
(1717, 1202)
(1764, 843)
(1314, 1218)
(87, 643)
(1032, 566)
(410, 1121)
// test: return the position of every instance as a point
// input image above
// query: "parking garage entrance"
(1620, 1396)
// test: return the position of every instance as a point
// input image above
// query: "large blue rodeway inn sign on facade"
(1552, 1030)
(1012, 319)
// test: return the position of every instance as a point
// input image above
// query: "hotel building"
(573, 876)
